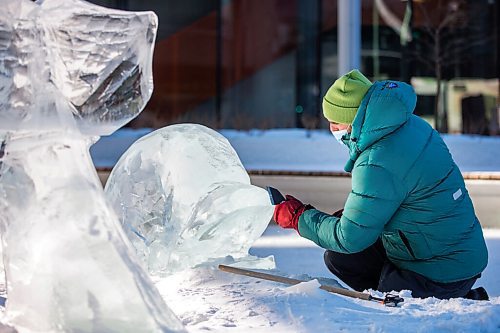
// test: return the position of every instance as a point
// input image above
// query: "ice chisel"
(388, 300)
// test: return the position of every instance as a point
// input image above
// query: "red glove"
(287, 213)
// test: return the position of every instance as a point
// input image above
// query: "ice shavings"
(309, 287)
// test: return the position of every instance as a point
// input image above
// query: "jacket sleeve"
(375, 196)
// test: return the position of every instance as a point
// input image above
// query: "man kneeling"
(408, 222)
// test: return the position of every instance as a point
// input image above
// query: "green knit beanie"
(342, 100)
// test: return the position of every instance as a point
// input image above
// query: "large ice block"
(184, 198)
(70, 71)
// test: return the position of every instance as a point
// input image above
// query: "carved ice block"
(70, 71)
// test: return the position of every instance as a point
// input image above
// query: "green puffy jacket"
(406, 189)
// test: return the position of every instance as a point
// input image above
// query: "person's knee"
(349, 271)
(335, 262)
(329, 258)
(326, 255)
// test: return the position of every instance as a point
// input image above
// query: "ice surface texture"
(70, 70)
(184, 198)
(65, 62)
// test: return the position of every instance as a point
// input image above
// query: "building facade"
(267, 63)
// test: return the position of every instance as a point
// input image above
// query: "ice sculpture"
(184, 198)
(70, 71)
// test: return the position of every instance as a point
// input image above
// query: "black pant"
(371, 269)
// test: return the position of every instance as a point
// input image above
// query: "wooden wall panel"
(184, 69)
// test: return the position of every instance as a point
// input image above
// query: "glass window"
(267, 63)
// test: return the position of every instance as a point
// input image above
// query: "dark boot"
(478, 294)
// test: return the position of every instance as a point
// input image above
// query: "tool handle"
(282, 279)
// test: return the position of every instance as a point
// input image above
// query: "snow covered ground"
(207, 299)
(303, 150)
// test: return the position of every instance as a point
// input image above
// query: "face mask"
(339, 134)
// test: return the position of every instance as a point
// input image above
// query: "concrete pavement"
(328, 194)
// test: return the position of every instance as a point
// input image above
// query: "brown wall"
(254, 34)
(184, 69)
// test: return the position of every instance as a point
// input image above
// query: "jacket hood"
(386, 106)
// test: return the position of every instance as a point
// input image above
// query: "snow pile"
(184, 198)
(306, 288)
(206, 299)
